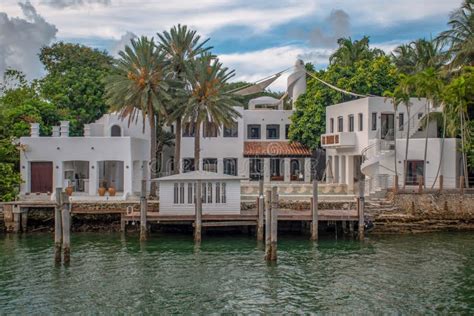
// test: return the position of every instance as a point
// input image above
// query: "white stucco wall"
(167, 206)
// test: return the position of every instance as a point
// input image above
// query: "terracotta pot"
(69, 191)
(102, 191)
(112, 191)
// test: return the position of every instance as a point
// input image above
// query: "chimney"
(64, 128)
(55, 131)
(35, 129)
(87, 130)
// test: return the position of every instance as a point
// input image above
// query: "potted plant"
(112, 189)
(69, 190)
(102, 188)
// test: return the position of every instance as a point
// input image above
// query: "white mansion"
(359, 138)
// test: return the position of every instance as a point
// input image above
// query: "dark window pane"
(230, 166)
(209, 164)
(188, 164)
(232, 131)
(253, 132)
(188, 130)
(273, 131)
(374, 121)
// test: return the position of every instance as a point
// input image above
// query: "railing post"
(57, 227)
(274, 224)
(260, 211)
(198, 220)
(268, 223)
(143, 212)
(314, 211)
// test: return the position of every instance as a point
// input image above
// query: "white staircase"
(378, 179)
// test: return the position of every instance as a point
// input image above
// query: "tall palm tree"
(181, 46)
(208, 100)
(350, 52)
(460, 37)
(428, 85)
(138, 85)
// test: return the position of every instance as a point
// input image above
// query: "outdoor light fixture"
(92, 148)
(58, 148)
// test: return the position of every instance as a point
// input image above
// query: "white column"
(336, 168)
(127, 177)
(266, 169)
(243, 167)
(350, 172)
(220, 165)
(286, 169)
(58, 181)
(93, 180)
(307, 170)
(329, 169)
(342, 166)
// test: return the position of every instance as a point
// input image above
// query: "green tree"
(75, 81)
(208, 100)
(9, 182)
(138, 85)
(419, 55)
(460, 37)
(350, 52)
(181, 45)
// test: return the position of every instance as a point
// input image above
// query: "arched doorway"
(116, 131)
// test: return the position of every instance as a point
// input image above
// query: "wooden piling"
(123, 224)
(420, 184)
(268, 224)
(441, 183)
(58, 234)
(461, 184)
(66, 226)
(24, 219)
(395, 184)
(360, 209)
(260, 210)
(16, 219)
(143, 212)
(198, 207)
(314, 211)
(274, 224)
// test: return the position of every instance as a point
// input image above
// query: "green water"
(114, 274)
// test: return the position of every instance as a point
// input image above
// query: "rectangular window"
(209, 129)
(218, 192)
(209, 164)
(175, 193)
(232, 131)
(361, 122)
(209, 192)
(230, 166)
(253, 131)
(181, 193)
(224, 193)
(204, 192)
(255, 168)
(351, 123)
(188, 130)
(188, 164)
(401, 121)
(331, 125)
(374, 121)
(420, 125)
(276, 169)
(340, 124)
(190, 193)
(287, 131)
(273, 131)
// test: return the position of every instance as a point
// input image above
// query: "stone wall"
(427, 212)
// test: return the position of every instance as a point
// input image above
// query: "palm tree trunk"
(464, 160)
(427, 115)
(197, 145)
(395, 147)
(177, 147)
(439, 172)
(153, 173)
(405, 164)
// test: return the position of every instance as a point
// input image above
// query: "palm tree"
(460, 37)
(181, 46)
(458, 98)
(208, 100)
(428, 85)
(350, 52)
(419, 55)
(137, 84)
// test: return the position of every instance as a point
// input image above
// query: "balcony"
(338, 140)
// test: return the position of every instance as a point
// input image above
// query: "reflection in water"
(170, 274)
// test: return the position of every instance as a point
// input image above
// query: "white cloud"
(21, 40)
(121, 43)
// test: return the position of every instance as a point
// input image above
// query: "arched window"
(115, 131)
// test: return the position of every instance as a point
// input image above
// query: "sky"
(257, 38)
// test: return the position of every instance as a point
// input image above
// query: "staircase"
(378, 179)
(379, 205)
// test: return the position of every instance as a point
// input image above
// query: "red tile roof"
(275, 149)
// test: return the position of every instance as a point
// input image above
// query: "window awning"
(275, 149)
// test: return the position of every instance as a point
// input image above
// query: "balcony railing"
(342, 139)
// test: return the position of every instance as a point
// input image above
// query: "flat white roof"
(199, 175)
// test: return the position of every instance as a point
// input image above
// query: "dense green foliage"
(75, 81)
